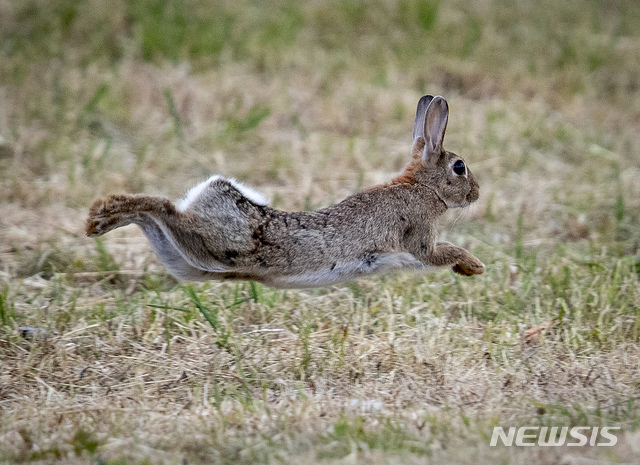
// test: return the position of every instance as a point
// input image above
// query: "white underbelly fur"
(383, 263)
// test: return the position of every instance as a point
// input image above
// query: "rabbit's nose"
(474, 193)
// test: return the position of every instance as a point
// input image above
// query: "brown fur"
(223, 234)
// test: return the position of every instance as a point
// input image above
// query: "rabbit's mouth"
(471, 197)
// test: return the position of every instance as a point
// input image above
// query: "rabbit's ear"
(435, 124)
(421, 112)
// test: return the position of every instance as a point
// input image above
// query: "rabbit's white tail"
(192, 194)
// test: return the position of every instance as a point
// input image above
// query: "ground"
(104, 358)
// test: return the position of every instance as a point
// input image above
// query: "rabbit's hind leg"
(119, 210)
(170, 257)
(188, 233)
(194, 236)
(145, 211)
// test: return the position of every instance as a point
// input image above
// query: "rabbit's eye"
(458, 168)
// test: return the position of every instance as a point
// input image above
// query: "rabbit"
(222, 229)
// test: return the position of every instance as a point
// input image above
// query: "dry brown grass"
(125, 365)
(279, 373)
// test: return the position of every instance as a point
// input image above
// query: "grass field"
(310, 101)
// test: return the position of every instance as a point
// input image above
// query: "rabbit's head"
(444, 172)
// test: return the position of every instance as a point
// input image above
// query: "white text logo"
(555, 436)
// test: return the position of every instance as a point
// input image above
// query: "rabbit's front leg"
(461, 261)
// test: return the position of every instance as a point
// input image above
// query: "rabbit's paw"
(469, 267)
(101, 220)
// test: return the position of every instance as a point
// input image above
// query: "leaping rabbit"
(222, 229)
